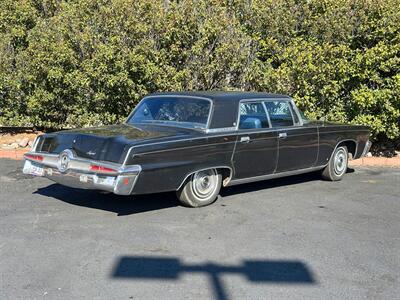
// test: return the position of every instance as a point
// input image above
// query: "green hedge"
(88, 62)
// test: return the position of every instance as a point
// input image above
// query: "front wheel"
(201, 189)
(337, 165)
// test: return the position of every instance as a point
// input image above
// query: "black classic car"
(196, 142)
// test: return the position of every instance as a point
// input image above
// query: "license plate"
(31, 169)
(83, 178)
(37, 171)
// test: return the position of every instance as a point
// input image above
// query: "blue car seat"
(250, 122)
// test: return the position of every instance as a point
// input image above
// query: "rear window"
(178, 111)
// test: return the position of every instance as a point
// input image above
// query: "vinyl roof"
(225, 104)
(222, 95)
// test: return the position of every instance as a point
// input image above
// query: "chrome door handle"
(282, 135)
(245, 139)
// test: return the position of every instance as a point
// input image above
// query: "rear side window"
(252, 115)
(280, 113)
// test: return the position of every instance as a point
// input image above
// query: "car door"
(256, 147)
(297, 143)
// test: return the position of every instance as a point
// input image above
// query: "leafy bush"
(88, 62)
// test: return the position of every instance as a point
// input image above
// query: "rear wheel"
(201, 189)
(337, 165)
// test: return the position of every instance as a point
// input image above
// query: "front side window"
(178, 111)
(280, 113)
(252, 115)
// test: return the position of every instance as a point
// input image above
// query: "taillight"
(34, 157)
(96, 168)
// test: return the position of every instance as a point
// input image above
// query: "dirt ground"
(9, 138)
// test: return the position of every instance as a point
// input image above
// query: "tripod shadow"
(171, 268)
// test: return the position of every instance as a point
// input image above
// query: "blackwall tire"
(201, 189)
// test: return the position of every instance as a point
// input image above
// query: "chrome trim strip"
(277, 154)
(177, 141)
(274, 175)
(35, 142)
(266, 112)
(296, 110)
(291, 113)
(186, 147)
(275, 129)
(319, 148)
(127, 156)
(184, 140)
(341, 131)
(222, 129)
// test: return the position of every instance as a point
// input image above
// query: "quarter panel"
(331, 135)
(166, 165)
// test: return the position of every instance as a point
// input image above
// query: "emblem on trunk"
(91, 153)
(64, 159)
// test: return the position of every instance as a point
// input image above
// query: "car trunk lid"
(107, 143)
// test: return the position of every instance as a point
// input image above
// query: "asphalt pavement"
(290, 238)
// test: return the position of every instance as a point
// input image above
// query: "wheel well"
(226, 175)
(351, 147)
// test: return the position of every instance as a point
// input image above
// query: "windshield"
(178, 111)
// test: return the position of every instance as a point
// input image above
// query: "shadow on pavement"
(271, 183)
(171, 268)
(274, 183)
(122, 205)
(126, 205)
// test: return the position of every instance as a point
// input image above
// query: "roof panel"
(225, 108)
(225, 95)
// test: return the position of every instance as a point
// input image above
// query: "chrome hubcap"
(340, 162)
(204, 183)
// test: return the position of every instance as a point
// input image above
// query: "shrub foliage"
(88, 62)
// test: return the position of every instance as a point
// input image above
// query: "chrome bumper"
(115, 178)
(366, 148)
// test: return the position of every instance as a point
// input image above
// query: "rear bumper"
(368, 145)
(115, 178)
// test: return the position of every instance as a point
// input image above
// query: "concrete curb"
(13, 154)
(376, 162)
